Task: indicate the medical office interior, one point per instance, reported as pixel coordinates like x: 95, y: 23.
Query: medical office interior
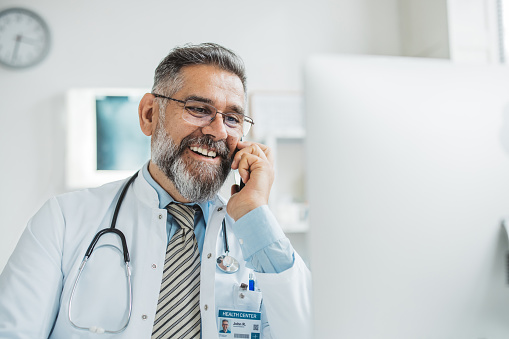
x: 103, y: 49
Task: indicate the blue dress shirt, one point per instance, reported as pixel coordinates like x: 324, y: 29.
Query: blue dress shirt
x: 265, y: 248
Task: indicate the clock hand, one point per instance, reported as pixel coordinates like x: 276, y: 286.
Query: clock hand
x: 28, y: 40
x: 16, y: 48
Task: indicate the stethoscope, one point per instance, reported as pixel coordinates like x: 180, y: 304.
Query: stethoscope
x: 225, y: 263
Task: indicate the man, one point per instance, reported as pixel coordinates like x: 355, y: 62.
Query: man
x: 174, y: 224
x: 225, y: 327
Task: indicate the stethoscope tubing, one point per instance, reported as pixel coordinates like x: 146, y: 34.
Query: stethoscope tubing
x: 125, y: 252
x: 226, y: 247
x: 101, y: 330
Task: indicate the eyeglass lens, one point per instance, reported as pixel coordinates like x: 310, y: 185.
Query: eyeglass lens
x: 201, y: 114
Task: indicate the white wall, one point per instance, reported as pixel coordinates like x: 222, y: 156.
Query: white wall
x: 118, y: 43
x: 474, y: 31
x: 424, y: 28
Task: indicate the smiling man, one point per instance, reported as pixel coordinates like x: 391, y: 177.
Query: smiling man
x: 225, y: 327
x: 192, y: 151
x: 191, y: 253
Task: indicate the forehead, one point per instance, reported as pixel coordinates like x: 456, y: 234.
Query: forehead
x: 219, y: 86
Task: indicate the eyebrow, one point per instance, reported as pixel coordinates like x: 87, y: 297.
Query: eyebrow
x: 230, y: 109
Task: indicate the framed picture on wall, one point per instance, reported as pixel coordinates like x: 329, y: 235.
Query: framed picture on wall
x: 104, y: 139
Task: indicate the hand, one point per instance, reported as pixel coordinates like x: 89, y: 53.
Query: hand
x: 256, y: 168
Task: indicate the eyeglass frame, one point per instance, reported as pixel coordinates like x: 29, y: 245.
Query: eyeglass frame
x: 247, y: 119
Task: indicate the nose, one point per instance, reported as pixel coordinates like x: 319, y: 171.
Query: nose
x: 216, y: 129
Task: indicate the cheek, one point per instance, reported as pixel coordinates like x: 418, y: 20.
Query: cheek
x: 181, y: 132
x: 232, y: 145
x: 177, y: 127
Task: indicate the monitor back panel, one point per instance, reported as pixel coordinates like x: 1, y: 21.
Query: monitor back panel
x: 408, y: 181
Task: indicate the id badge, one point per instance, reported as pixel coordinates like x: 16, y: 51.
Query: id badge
x: 239, y: 324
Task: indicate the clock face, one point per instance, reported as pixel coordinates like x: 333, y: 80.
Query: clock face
x: 24, y: 38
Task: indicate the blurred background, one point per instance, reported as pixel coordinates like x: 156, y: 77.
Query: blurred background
x: 117, y: 44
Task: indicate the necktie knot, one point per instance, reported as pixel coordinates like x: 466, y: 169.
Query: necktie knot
x: 183, y: 214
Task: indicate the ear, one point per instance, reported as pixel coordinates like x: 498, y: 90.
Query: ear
x: 148, y: 114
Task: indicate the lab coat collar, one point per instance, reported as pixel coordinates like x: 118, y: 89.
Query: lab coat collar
x: 145, y: 192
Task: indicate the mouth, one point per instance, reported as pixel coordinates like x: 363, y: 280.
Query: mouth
x: 204, y: 151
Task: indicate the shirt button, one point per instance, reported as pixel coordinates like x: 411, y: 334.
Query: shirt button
x: 205, y: 307
x: 241, y: 241
x: 154, y: 266
x: 144, y: 317
x: 219, y: 209
x: 209, y: 255
x: 160, y: 216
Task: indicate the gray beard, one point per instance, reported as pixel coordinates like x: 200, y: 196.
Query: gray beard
x: 195, y: 181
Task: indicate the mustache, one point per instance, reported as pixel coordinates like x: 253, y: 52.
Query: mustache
x: 204, y: 140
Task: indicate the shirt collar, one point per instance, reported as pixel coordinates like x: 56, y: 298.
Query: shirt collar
x: 164, y: 197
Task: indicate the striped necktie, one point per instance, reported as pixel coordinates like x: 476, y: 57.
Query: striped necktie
x: 178, y: 308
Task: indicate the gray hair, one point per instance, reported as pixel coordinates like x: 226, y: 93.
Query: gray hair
x: 168, y: 79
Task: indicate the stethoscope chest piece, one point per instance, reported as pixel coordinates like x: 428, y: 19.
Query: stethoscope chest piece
x: 227, y: 263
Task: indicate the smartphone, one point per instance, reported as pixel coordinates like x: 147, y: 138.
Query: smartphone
x: 241, y: 184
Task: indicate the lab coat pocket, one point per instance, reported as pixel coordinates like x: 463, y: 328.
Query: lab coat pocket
x: 246, y: 300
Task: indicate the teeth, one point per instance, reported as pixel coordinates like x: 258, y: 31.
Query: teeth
x: 203, y: 151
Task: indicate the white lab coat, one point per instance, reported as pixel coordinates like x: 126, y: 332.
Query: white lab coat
x: 36, y: 284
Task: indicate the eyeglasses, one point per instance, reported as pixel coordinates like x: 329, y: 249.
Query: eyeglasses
x: 201, y: 114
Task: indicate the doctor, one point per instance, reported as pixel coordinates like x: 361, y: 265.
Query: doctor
x: 190, y: 252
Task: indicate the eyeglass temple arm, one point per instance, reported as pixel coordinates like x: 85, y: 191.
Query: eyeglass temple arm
x: 162, y: 96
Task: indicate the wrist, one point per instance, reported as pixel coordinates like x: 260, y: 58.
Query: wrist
x: 238, y: 212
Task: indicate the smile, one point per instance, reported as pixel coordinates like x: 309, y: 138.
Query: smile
x: 203, y: 151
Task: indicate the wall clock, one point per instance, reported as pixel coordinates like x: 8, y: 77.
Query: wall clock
x: 24, y: 38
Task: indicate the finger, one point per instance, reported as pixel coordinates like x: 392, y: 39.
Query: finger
x: 252, y: 150
x: 244, y: 166
x: 250, y: 163
x: 256, y: 149
x: 267, y: 151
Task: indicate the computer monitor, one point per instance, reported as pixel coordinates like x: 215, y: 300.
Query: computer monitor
x: 408, y: 182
